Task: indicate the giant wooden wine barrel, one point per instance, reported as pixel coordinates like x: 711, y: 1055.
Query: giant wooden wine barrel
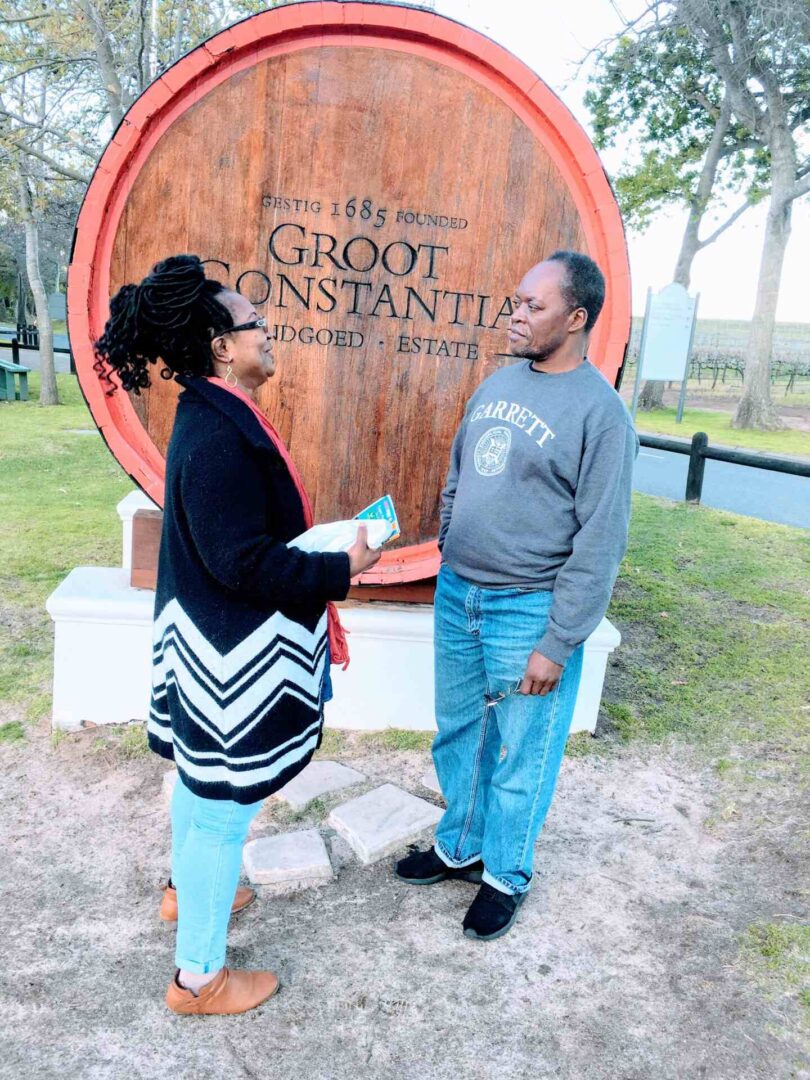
x: 376, y: 179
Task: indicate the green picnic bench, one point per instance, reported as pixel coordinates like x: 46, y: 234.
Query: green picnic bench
x: 10, y: 388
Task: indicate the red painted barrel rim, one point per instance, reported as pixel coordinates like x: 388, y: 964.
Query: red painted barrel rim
x: 288, y: 29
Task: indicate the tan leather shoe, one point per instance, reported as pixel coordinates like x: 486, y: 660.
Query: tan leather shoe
x: 228, y: 993
x: 168, y: 905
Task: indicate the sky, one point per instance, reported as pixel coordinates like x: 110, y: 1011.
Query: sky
x: 551, y: 39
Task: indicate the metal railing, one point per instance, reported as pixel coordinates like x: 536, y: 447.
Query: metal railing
x: 16, y: 345
x: 698, y: 451
x: 27, y: 334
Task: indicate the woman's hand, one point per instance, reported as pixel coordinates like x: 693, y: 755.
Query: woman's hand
x: 361, y: 556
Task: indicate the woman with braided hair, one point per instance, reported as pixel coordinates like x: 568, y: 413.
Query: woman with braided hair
x: 244, y: 625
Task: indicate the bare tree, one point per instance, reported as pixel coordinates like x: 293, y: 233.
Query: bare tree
x: 117, y: 100
x: 653, y: 84
x: 652, y: 394
x: 26, y: 213
x: 48, y: 393
x: 179, y: 30
x: 67, y: 76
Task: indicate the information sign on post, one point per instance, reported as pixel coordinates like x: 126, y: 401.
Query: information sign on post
x: 666, y: 340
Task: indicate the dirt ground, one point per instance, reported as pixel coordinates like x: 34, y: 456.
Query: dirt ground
x: 624, y: 963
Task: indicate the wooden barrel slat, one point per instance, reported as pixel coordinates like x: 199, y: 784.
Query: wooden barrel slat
x: 399, y: 114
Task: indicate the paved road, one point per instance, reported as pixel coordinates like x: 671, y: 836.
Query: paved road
x: 753, y: 492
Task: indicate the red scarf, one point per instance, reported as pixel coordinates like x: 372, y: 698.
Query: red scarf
x: 338, y: 646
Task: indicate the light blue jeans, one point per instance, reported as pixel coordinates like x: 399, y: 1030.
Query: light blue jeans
x: 497, y: 757
x: 207, y: 840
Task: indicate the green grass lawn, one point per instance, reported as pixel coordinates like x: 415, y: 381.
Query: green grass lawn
x: 717, y: 426
x: 714, y: 608
x: 715, y: 613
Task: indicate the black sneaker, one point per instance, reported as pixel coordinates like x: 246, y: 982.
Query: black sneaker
x: 426, y: 868
x: 491, y: 913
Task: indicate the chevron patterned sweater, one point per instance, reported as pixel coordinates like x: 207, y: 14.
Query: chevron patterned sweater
x: 240, y: 619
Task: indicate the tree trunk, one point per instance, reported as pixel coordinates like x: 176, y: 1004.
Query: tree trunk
x: 147, y: 54
x: 179, y: 30
x: 652, y: 393
x: 106, y: 63
x: 153, y: 41
x: 48, y: 392
x: 756, y: 409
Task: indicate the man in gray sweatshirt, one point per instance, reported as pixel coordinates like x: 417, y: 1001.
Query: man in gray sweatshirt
x: 533, y: 527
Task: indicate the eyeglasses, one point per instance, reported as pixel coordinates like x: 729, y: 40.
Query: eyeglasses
x: 255, y: 324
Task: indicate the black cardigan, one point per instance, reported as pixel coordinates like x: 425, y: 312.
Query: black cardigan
x: 240, y: 645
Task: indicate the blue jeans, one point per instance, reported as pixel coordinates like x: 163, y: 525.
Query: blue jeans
x: 497, y: 760
x: 207, y: 840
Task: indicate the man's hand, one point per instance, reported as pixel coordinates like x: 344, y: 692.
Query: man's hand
x: 542, y: 675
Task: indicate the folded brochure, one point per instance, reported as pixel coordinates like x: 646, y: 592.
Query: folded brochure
x: 382, y: 510
x: 380, y: 518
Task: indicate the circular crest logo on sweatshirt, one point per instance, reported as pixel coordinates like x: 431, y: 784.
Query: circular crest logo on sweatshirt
x: 492, y: 451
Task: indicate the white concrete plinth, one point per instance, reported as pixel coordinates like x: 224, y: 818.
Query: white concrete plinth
x: 598, y: 648
x: 127, y: 508
x: 102, y: 649
x: 389, y: 682
x: 102, y: 665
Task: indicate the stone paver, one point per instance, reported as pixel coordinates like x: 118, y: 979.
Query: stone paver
x: 318, y: 778
x: 288, y: 862
x: 383, y: 820
x: 431, y: 781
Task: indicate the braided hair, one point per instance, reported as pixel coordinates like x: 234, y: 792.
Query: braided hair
x: 171, y: 316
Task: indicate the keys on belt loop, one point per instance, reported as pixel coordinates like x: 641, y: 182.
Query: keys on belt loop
x: 495, y: 699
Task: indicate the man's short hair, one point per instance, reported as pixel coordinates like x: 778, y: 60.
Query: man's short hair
x: 584, y: 283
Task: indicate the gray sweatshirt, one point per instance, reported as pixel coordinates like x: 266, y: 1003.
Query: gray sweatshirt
x: 538, y: 493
